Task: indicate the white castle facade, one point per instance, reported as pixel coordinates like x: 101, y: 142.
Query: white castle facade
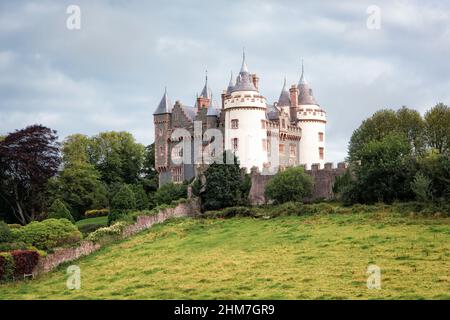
x: 288, y: 132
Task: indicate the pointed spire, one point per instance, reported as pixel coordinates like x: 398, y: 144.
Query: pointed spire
x: 206, y: 92
x: 212, y: 111
x: 165, y: 106
x: 302, y: 77
x: 244, y: 68
x: 231, y: 79
x: 285, y: 98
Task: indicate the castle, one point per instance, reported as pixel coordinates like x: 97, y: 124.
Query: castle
x: 289, y: 132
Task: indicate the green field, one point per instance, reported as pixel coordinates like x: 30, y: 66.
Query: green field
x: 308, y: 257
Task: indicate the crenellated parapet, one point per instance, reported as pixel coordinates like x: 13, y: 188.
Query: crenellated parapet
x: 323, y: 179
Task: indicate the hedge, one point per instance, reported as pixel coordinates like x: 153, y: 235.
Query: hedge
x: 96, y: 213
x: 48, y: 234
x: 113, y: 232
x: 17, y: 263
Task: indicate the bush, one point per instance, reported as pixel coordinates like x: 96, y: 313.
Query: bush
x: 113, y: 232
x: 58, y: 210
x: 292, y: 184
x: 231, y: 212
x: 6, y: 266
x: 24, y: 261
x: 10, y: 246
x: 96, y: 213
x: 48, y: 234
x: 91, y: 227
x: 124, y: 199
x: 5, y: 232
x: 421, y: 186
x: 169, y: 192
x: 14, y: 226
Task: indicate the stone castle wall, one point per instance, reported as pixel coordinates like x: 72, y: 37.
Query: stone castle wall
x: 323, y: 179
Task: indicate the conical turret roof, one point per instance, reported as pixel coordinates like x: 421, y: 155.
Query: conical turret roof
x: 284, y: 99
x: 165, y: 106
x: 305, y: 95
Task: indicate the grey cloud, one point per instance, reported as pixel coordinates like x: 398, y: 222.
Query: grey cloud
x: 111, y: 74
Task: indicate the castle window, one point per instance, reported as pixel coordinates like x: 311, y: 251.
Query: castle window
x: 292, y: 150
x: 235, y: 142
x: 161, y: 151
x: 234, y: 123
x: 320, y: 136
x: 283, y: 123
x: 160, y: 132
x: 177, y: 174
x: 281, y: 148
x: 321, y: 153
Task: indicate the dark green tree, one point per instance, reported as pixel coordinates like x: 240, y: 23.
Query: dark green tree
x: 169, y: 192
x: 223, y: 183
x: 142, y: 200
x: 437, y: 123
x: 58, y: 210
x: 123, y: 202
x: 292, y: 184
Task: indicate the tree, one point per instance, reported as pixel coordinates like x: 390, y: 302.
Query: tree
x: 412, y: 125
x: 80, y: 187
x: 421, y: 187
x: 384, y: 122
x: 117, y: 157
x: 292, y: 184
x: 385, y: 172
x: 150, y: 179
x: 124, y: 199
x: 437, y: 124
x: 169, y: 192
x: 28, y: 159
x: 223, y: 184
x: 436, y: 167
x: 142, y: 201
x: 123, y: 202
x: 75, y: 149
x: 58, y: 210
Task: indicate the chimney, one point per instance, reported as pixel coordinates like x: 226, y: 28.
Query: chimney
x: 293, y: 91
x: 224, y: 93
x: 255, y: 81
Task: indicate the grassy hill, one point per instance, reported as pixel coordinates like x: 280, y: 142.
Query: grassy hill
x: 316, y: 256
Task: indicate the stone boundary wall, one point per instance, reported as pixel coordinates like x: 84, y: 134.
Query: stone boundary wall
x: 61, y: 255
x: 323, y: 179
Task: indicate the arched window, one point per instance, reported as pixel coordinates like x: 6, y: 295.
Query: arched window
x: 235, y: 143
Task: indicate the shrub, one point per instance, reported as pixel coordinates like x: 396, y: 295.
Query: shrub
x: 14, y: 226
x: 421, y: 186
x: 58, y: 210
x: 169, y: 192
x: 10, y: 246
x: 96, y: 213
x: 142, y: 200
x: 108, y: 233
x: 24, y: 261
x: 230, y: 212
x: 91, y: 227
x: 5, y: 232
x: 6, y: 266
x: 292, y: 184
x: 49, y: 233
x: 124, y: 199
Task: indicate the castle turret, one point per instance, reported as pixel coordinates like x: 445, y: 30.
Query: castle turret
x: 204, y: 100
x: 245, y: 118
x: 162, y: 122
x: 312, y: 120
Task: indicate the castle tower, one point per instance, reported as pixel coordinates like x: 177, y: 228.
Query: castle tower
x: 162, y: 122
x: 312, y: 120
x: 204, y: 100
x: 245, y: 116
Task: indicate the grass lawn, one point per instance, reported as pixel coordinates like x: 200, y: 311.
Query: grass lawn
x: 96, y: 220
x: 308, y: 257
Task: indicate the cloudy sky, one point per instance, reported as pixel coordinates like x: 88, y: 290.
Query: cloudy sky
x: 111, y: 74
